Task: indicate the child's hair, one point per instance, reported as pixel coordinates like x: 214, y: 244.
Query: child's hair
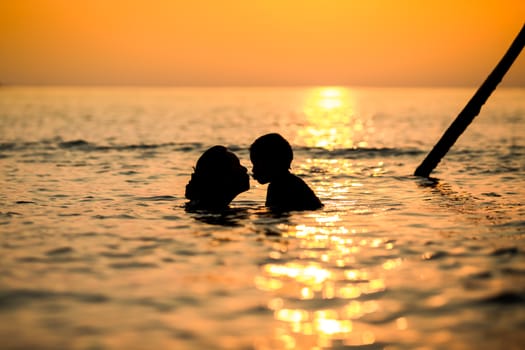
x: 211, y: 176
x: 272, y: 147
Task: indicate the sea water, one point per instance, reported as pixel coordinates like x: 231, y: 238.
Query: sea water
x: 98, y: 252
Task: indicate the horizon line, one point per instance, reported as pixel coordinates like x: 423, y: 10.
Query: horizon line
x: 351, y: 86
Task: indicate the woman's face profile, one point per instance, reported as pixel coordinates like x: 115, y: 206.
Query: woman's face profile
x: 239, y: 176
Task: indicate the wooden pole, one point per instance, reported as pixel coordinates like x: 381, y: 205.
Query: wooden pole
x: 472, y: 109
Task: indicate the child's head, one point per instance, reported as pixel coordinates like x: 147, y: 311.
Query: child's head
x: 217, y: 179
x: 271, y: 155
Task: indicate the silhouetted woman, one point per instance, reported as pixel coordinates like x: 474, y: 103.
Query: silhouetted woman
x: 217, y: 179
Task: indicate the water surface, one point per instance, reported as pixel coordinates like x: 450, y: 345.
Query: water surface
x: 97, y: 251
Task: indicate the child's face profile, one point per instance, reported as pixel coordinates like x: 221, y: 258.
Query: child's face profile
x: 271, y: 156
x: 262, y: 170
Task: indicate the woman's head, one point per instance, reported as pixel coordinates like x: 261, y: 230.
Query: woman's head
x: 217, y: 179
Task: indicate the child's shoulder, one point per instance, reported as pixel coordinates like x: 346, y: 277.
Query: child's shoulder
x: 292, y: 193
x: 289, y: 182
x: 295, y: 180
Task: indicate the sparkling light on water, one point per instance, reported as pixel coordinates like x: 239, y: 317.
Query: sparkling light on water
x: 323, y: 271
x: 332, y: 120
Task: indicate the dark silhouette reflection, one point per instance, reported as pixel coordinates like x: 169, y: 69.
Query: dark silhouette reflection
x: 271, y: 225
x: 217, y: 179
x: 428, y: 182
x: 438, y: 187
x: 230, y: 217
x: 272, y: 156
x: 445, y: 196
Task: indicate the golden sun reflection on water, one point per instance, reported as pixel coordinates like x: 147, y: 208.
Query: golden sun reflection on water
x: 317, y: 292
x: 318, y: 295
x: 332, y: 120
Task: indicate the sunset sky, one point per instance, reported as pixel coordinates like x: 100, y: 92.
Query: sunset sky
x: 257, y: 42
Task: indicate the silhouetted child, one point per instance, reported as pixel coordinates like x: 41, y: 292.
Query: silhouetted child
x: 271, y: 156
x: 218, y: 177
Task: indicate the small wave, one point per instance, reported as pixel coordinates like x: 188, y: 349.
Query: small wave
x: 87, y: 146
x: 132, y: 265
x: 505, y: 251
x: 157, y: 198
x: 7, y: 146
x: 515, y: 223
x: 60, y: 251
x: 90, y: 146
x: 9, y: 214
x: 437, y: 255
x: 122, y: 216
x: 113, y: 255
x: 505, y: 297
x: 12, y: 298
x: 73, y: 144
x: 513, y: 271
x: 358, y: 153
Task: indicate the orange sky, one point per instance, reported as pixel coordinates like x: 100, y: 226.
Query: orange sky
x: 257, y: 42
